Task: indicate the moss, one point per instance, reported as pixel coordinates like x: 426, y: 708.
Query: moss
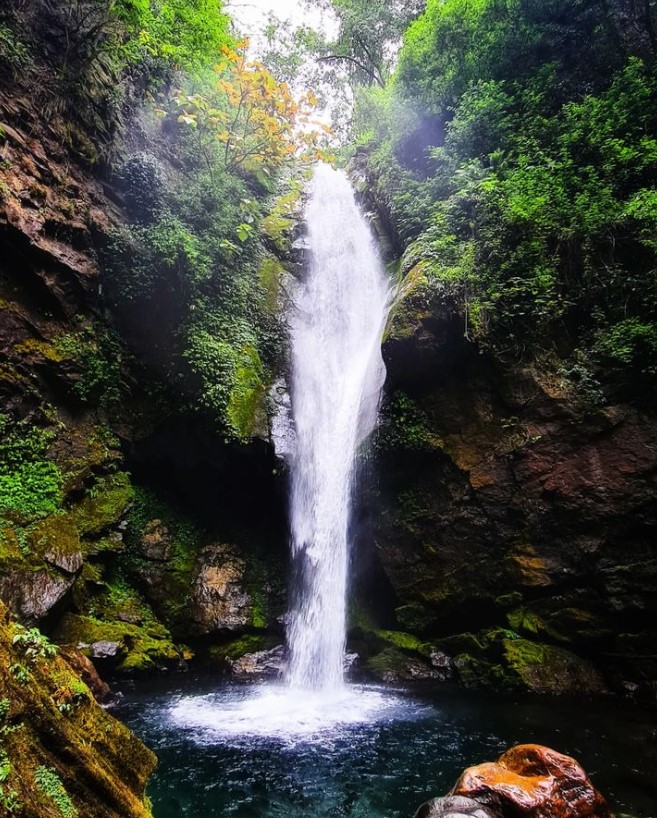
x: 545, y: 668
x: 33, y: 346
x: 390, y: 660
x: 522, y: 619
x: 105, y: 507
x: 185, y: 539
x: 507, y: 601
x: 63, y: 754
x: 247, y: 394
x: 140, y: 647
x: 475, y: 672
x: 405, y: 642
x: 240, y: 647
x: 415, y: 617
x: 56, y: 535
x: 269, y: 274
x: 462, y: 643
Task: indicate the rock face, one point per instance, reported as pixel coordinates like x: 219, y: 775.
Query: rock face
x: 516, y: 517
x: 454, y: 806
x: 61, y: 752
x: 530, y: 781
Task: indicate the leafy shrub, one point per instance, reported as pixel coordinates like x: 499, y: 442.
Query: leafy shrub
x: 51, y: 786
x: 30, y: 484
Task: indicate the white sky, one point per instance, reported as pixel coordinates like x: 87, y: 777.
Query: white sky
x: 251, y: 15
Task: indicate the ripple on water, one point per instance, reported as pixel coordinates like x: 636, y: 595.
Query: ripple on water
x: 260, y: 751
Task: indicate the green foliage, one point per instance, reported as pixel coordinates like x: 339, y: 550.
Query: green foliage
x: 20, y: 673
x: 51, y: 786
x: 97, y: 353
x: 184, y: 280
x: 515, y: 152
x: 33, y: 644
x: 408, y: 426
x: 30, y: 484
x: 186, y: 34
x: 9, y: 798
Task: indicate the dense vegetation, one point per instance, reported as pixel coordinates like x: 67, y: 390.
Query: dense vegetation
x: 162, y: 100
x: 514, y: 149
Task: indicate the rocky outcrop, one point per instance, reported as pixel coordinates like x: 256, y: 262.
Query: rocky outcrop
x: 530, y: 781
x: 60, y: 752
x: 516, y: 512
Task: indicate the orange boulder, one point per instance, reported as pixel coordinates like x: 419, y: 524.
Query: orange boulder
x: 530, y: 781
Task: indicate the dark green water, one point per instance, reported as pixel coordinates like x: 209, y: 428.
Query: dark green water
x: 235, y: 750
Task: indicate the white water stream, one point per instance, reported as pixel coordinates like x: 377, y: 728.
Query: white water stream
x: 337, y: 375
x: 336, y: 325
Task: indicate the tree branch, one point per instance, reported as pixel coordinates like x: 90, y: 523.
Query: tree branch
x: 338, y: 57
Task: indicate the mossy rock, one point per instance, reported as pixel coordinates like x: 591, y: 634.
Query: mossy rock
x: 270, y: 273
x: 106, y: 507
x: 404, y: 641
x: 468, y: 643
x: 139, y: 647
x: 61, y: 753
x: 278, y: 226
x: 230, y: 651
x: 544, y: 668
x: 415, y: 617
x: 56, y: 540
x: 476, y: 672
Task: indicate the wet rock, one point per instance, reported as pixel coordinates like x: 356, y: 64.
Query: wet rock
x: 548, y: 669
x: 219, y: 601
x: 262, y: 663
x: 32, y: 595
x: 443, y: 664
x: 531, y: 781
x: 454, y: 806
x: 393, y: 666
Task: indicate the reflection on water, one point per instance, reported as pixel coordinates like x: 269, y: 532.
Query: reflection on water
x: 254, y: 751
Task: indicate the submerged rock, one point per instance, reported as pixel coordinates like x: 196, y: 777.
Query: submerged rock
x: 531, y: 781
x: 454, y: 806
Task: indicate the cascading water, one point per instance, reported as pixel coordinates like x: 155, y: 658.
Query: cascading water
x: 336, y: 323
x: 337, y: 375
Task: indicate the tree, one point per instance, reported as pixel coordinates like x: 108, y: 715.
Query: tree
x: 369, y: 34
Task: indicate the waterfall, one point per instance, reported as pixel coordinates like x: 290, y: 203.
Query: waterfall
x: 337, y: 375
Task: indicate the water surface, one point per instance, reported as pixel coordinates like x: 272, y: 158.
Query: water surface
x: 249, y: 751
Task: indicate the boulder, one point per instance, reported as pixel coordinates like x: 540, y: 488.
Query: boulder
x: 531, y: 781
x: 219, y: 601
x: 32, y: 595
x: 454, y: 806
x: 261, y: 663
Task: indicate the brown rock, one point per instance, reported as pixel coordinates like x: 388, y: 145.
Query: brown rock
x: 84, y: 667
x: 531, y: 781
x: 155, y: 543
x: 219, y: 601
